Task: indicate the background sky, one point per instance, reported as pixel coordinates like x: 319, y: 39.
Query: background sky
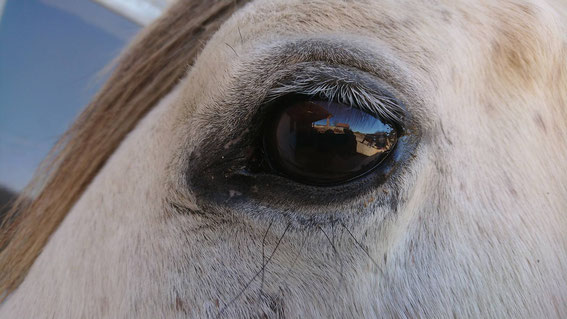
x: 51, y: 55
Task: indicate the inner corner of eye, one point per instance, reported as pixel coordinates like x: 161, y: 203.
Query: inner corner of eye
x: 323, y: 142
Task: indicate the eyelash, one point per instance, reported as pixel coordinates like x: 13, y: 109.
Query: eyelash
x: 332, y: 87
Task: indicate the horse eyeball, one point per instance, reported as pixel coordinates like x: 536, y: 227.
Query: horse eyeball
x: 325, y: 143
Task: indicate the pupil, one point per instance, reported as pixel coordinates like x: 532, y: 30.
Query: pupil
x: 321, y: 142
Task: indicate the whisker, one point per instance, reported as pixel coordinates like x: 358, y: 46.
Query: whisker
x: 361, y: 247
x: 255, y: 275
x: 299, y: 252
x: 336, y: 252
x: 233, y: 50
x: 240, y: 33
x: 294, y: 261
x: 264, y: 256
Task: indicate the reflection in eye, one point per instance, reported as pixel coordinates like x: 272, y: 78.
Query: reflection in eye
x: 324, y: 143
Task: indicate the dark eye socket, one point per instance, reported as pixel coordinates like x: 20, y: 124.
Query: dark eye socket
x: 325, y: 143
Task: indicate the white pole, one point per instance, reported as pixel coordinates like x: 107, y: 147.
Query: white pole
x: 2, y: 5
x: 141, y: 12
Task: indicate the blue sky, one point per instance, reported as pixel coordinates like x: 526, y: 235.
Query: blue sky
x: 358, y: 120
x: 51, y: 55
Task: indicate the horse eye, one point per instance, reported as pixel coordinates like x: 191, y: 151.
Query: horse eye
x: 325, y: 143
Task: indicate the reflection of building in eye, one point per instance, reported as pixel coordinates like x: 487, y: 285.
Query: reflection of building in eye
x: 380, y: 140
x: 339, y: 128
x: 370, y: 144
x: 324, y: 125
x: 367, y: 144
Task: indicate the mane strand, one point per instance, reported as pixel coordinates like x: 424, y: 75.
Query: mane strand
x: 144, y: 73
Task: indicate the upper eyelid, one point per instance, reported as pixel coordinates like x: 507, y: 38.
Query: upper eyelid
x: 342, y: 84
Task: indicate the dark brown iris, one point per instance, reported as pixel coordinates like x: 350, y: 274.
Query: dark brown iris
x: 325, y: 143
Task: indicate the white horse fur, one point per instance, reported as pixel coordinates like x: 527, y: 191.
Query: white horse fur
x: 473, y: 226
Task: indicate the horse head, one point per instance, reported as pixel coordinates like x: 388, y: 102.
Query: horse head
x: 325, y: 159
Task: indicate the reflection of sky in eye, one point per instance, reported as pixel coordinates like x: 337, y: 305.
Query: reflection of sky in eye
x: 359, y: 121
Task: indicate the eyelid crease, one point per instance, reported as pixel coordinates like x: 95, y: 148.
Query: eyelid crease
x: 350, y: 88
